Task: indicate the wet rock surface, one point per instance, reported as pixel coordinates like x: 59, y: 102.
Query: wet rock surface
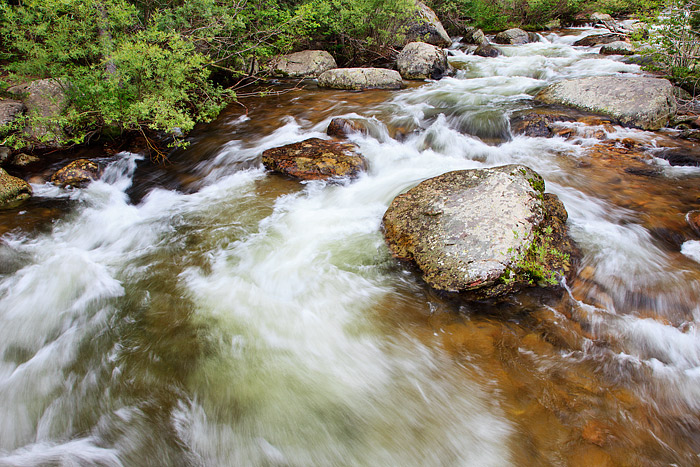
x: 617, y: 48
x: 315, y: 159
x: 342, y: 127
x: 13, y: 190
x: 487, y: 50
x: 419, y: 60
x: 76, y: 174
x: 642, y: 102
x: 304, y: 64
x: 473, y: 231
x: 474, y: 36
x: 600, y: 39
x: 359, y: 79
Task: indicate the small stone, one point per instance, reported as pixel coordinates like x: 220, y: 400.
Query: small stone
x: 342, y: 127
x: 693, y: 219
x: 23, y: 160
x: 76, y: 174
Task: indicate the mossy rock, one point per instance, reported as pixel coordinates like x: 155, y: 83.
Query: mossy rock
x: 76, y: 174
x: 13, y: 190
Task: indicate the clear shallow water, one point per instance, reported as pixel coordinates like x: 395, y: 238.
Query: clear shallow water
x: 246, y: 319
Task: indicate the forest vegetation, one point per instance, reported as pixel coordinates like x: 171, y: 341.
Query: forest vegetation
x: 164, y: 65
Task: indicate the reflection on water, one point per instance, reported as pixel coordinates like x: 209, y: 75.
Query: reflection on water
x: 208, y: 313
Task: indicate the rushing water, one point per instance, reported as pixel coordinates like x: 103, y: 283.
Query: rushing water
x: 209, y: 313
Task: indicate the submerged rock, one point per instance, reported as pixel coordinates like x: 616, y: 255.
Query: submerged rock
x: 359, y: 79
x: 315, y: 159
x: 537, y: 123
x: 13, y: 190
x: 638, y: 101
x: 513, y: 36
x: 76, y: 174
x: 304, y: 64
x: 481, y: 232
x: 419, y: 60
x: 693, y: 219
x: 426, y: 27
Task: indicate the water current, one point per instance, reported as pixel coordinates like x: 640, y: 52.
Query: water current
x: 206, y: 312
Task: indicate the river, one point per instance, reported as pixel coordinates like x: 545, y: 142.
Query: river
x: 206, y: 312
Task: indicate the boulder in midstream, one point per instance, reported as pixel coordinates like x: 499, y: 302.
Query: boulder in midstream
x: 315, y: 159
x: 419, y: 60
x: 359, y: 79
x: 78, y: 173
x: 638, y: 101
x: 481, y: 232
x: 514, y: 36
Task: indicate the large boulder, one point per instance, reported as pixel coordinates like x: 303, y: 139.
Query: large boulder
x: 359, y: 79
x: 600, y: 39
x: 481, y: 232
x: 10, y: 109
x: 45, y: 100
x: 78, y: 173
x: 419, y: 60
x: 617, y: 48
x: 315, y: 159
x: 304, y: 64
x: 13, y: 190
x: 426, y: 27
x: 513, y: 36
x: 637, y: 101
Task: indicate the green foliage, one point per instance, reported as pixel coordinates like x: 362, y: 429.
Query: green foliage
x: 358, y: 31
x: 535, y: 265
x: 677, y: 41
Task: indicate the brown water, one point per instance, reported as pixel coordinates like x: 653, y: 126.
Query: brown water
x: 207, y: 313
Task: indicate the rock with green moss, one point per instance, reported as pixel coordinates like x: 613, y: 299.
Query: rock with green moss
x: 13, y: 190
x: 481, y: 232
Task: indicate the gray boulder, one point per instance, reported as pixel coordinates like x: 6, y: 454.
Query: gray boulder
x: 474, y: 36
x: 419, y: 60
x: 617, y: 48
x: 13, y: 190
x: 637, y: 101
x: 304, y: 64
x: 600, y: 39
x: 359, y: 79
x: 45, y: 99
x: 600, y: 18
x: 426, y: 27
x: 481, y: 232
x: 513, y: 36
x: 9, y: 110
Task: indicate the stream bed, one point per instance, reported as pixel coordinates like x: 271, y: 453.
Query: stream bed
x: 207, y: 313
